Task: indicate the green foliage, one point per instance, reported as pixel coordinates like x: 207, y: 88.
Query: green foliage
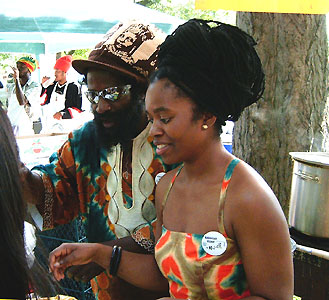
x: 9, y: 59
x: 183, y: 10
x: 4, y: 56
x: 79, y: 53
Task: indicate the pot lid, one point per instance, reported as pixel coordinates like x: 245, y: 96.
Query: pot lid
x: 315, y: 158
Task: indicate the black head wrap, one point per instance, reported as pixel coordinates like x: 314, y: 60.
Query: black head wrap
x: 215, y: 64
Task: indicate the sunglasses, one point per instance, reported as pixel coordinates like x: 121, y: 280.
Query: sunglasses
x: 111, y: 93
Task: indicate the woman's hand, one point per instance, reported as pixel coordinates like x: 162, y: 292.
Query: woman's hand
x: 68, y: 255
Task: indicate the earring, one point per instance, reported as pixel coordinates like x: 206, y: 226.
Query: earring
x: 204, y: 126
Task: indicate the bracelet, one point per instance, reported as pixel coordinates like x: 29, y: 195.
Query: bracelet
x: 114, y: 250
x: 115, y: 260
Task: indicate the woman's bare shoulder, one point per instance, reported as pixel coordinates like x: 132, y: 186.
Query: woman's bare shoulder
x: 165, y: 180
x: 250, y: 198
x: 248, y: 185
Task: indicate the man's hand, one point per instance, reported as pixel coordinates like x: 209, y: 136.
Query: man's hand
x: 84, y: 273
x: 15, y: 73
x: 44, y: 79
x: 57, y: 116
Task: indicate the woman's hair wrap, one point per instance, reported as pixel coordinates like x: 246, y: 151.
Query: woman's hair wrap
x: 217, y: 66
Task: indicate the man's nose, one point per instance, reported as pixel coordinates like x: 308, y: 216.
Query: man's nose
x: 103, y: 105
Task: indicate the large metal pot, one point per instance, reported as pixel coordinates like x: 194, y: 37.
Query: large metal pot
x: 309, y: 199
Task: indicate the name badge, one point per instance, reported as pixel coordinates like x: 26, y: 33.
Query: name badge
x: 214, y: 243
x: 159, y: 176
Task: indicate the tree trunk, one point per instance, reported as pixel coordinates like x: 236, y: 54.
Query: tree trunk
x: 291, y: 117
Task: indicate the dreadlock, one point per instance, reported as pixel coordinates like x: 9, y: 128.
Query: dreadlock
x: 215, y: 64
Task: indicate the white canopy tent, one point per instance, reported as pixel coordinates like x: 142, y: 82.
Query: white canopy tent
x: 44, y: 29
x: 39, y: 28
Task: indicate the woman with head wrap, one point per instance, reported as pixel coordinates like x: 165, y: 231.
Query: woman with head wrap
x: 221, y: 233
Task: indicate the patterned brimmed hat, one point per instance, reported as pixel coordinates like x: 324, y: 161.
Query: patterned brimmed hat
x: 129, y: 49
x: 30, y: 62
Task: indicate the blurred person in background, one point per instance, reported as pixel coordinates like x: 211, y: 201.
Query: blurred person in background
x: 23, y: 97
x: 3, y: 98
x: 63, y: 99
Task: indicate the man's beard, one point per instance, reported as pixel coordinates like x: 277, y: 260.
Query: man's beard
x: 126, y: 126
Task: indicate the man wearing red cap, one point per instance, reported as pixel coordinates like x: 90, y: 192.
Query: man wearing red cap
x: 23, y: 97
x: 63, y: 100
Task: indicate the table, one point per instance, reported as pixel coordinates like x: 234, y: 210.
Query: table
x: 36, y: 149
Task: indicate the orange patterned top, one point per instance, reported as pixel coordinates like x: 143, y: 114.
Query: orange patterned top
x: 192, y: 272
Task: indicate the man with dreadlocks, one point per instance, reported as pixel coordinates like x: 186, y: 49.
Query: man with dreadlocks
x: 221, y: 233
x: 106, y: 170
x: 24, y: 97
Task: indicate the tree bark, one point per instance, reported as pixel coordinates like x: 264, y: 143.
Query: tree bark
x: 291, y: 117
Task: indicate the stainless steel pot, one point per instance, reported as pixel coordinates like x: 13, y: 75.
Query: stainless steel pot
x: 309, y: 198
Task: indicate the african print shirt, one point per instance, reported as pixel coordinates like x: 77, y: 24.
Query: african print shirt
x: 192, y: 272
x: 85, y: 180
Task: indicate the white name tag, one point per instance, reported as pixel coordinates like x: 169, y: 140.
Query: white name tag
x: 214, y: 243
x: 159, y: 176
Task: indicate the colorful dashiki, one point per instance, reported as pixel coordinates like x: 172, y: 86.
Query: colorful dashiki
x: 85, y: 180
x: 194, y: 274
